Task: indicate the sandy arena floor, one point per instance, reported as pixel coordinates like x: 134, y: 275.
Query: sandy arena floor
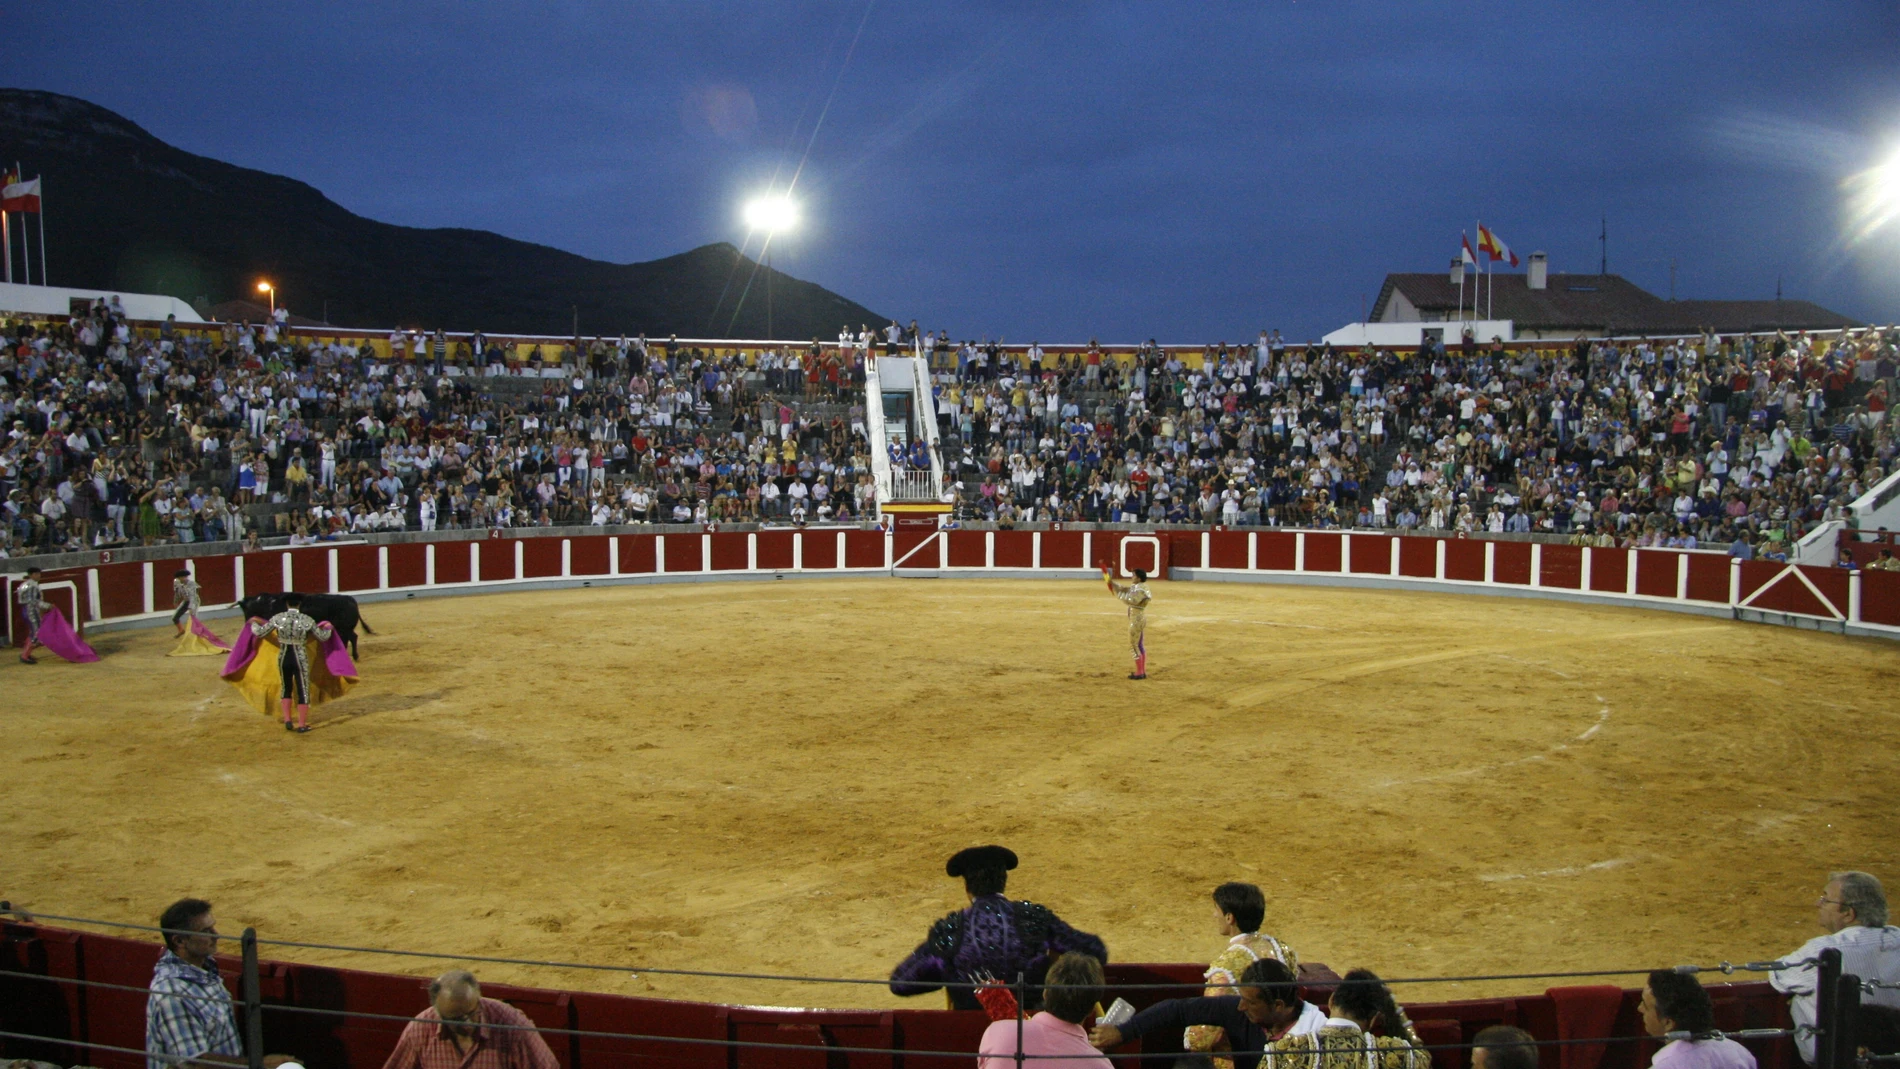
x: 768, y: 777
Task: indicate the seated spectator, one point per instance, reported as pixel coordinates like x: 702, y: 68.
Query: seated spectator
x: 1674, y: 1004
x: 1503, y: 1046
x: 1053, y: 1036
x: 1267, y: 1010
x: 1363, y: 1002
x: 459, y: 1030
x: 1239, y: 909
x: 1853, y: 913
x: 189, y: 1020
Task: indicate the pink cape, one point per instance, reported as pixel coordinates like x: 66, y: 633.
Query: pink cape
x: 336, y: 656
x: 58, y: 636
x: 208, y: 635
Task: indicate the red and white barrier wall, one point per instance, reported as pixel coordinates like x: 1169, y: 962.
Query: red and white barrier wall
x: 112, y: 594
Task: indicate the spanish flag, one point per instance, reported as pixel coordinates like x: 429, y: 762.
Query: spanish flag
x: 1497, y: 250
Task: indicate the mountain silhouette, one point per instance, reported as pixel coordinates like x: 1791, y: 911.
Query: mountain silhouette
x: 126, y: 211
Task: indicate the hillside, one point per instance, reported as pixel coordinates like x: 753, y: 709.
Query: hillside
x: 127, y: 211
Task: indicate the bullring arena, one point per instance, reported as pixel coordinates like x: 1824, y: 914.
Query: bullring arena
x: 765, y: 776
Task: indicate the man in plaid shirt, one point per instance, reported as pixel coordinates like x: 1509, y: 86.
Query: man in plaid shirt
x: 463, y: 1030
x: 188, y: 1016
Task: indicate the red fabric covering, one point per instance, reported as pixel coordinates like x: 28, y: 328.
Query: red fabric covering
x: 999, y: 1002
x: 59, y: 637
x: 1585, y: 1013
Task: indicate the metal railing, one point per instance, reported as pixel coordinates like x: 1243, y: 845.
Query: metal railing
x: 1838, y: 999
x: 913, y: 484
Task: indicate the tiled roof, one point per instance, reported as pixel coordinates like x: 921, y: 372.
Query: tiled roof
x: 1602, y: 302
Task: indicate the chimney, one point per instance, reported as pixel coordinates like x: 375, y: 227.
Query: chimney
x: 1457, y: 271
x: 1538, y: 278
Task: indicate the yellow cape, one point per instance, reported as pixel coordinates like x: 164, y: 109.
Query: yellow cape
x: 191, y: 645
x: 262, y: 687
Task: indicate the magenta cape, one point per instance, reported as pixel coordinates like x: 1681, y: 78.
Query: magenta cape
x: 252, y: 669
x: 336, y: 656
x: 208, y: 635
x: 199, y: 641
x: 58, y: 636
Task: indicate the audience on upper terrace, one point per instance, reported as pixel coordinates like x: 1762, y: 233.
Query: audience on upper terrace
x: 122, y: 436
x: 1686, y: 442
x: 1740, y: 442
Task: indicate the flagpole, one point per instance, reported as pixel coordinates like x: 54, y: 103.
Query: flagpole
x: 41, y: 179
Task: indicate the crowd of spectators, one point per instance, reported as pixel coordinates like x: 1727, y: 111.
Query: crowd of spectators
x: 119, y: 435
x: 1740, y: 440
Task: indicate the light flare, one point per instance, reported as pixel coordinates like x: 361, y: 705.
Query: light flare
x: 1873, y: 198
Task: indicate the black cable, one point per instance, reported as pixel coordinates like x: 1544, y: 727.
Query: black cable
x: 1724, y: 967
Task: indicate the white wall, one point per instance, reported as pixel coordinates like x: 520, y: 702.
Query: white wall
x: 57, y: 300
x: 1412, y: 334
x: 1879, y: 507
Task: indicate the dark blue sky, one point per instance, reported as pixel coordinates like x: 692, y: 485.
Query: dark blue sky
x: 1056, y: 170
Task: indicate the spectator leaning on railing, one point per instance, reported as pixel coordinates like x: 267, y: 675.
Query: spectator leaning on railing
x: 463, y: 1030
x: 1852, y: 911
x: 188, y: 1015
x: 1267, y: 1009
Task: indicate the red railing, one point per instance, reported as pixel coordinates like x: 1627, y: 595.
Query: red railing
x: 1684, y: 580
x: 82, y: 990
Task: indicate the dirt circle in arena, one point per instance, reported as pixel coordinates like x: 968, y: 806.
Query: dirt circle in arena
x: 768, y: 776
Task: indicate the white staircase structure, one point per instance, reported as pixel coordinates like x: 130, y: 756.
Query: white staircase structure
x: 1877, y: 509
x: 900, y: 410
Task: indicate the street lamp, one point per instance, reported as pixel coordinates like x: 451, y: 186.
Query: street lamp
x: 772, y: 213
x: 265, y: 287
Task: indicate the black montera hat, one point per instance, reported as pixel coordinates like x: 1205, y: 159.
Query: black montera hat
x: 980, y: 859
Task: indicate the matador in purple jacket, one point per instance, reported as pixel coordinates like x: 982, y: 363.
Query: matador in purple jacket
x: 994, y: 937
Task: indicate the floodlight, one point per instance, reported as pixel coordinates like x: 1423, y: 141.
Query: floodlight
x: 773, y: 213
x: 1873, y: 198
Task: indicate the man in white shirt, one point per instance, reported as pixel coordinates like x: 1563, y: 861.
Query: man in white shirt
x: 1853, y: 912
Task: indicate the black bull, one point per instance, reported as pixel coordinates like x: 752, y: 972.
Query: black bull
x: 337, y: 610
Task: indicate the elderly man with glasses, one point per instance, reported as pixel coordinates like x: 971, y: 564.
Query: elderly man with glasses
x: 1853, y: 912
x: 463, y: 1030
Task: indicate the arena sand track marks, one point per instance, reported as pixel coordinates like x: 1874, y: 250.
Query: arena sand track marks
x: 767, y: 777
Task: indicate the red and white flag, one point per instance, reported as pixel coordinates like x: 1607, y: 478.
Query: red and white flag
x: 1496, y: 249
x: 1464, y: 239
x: 20, y: 196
